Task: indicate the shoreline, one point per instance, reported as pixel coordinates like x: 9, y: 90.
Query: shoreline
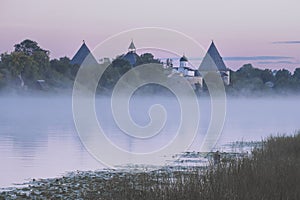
x: 181, y: 163
x: 243, y: 178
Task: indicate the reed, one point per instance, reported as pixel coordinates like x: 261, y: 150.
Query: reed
x: 271, y: 172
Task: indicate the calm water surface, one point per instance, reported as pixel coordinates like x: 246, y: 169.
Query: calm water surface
x: 38, y: 138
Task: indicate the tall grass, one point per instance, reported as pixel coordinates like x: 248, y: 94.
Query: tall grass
x: 271, y: 172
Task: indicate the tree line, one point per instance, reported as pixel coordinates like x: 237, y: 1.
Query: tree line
x: 250, y: 80
x: 29, y: 67
x: 29, y: 63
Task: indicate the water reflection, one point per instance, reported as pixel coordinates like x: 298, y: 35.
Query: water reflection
x: 38, y: 137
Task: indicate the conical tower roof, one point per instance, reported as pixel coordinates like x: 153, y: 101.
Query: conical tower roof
x: 81, y: 54
x: 212, y: 60
x: 131, y: 46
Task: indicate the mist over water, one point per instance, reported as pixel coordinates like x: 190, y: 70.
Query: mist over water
x: 38, y: 138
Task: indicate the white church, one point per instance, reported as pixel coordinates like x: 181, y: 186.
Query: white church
x: 212, y: 61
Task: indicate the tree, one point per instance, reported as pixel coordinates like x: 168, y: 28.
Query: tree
x: 147, y: 58
x: 29, y: 47
x: 283, y: 74
x: 27, y: 63
x: 40, y: 56
x: 119, y: 62
x: 249, y: 79
x: 119, y: 67
x: 62, y: 65
x: 246, y: 71
x: 266, y: 75
x: 283, y: 79
x: 2, y: 78
x: 20, y: 66
x: 296, y: 78
x: 296, y: 74
x: 114, y: 72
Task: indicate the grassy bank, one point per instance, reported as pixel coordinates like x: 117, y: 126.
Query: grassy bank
x: 271, y: 172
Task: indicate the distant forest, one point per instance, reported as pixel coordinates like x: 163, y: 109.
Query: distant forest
x: 29, y: 68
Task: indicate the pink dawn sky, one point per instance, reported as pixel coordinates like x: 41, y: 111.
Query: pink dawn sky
x: 265, y: 33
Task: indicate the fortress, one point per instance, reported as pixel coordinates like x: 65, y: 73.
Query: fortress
x: 212, y: 62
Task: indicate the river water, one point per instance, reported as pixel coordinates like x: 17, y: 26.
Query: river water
x: 38, y: 138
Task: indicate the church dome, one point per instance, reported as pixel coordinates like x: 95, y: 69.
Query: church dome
x: 131, y: 57
x: 183, y: 59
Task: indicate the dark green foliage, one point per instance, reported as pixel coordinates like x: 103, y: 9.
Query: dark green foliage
x: 296, y: 78
x: 248, y: 72
x: 120, y: 62
x: 283, y: 74
x: 266, y: 75
x: 113, y: 73
x: 283, y: 80
x: 29, y: 63
x: 250, y: 80
x: 147, y: 58
x: 119, y: 67
x: 296, y: 74
x: 2, y: 78
x: 29, y: 47
x: 62, y: 66
x: 18, y: 63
